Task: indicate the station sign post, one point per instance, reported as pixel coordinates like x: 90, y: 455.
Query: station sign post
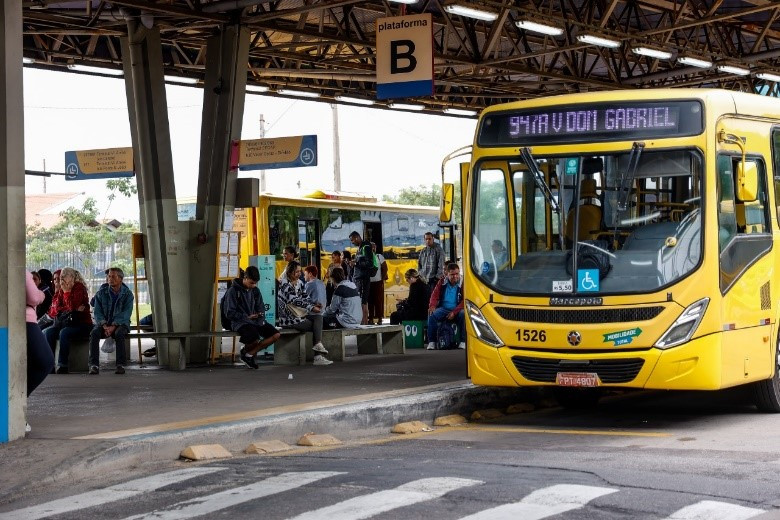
x: 404, y: 56
x: 107, y: 163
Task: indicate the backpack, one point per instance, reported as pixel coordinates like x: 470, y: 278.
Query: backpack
x: 226, y: 323
x: 446, y: 336
x: 368, y: 262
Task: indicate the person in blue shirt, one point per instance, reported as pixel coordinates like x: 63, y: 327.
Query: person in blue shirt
x: 447, y: 304
x: 113, y: 307
x: 314, y: 287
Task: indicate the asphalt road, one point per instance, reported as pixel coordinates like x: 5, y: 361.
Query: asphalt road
x: 640, y: 456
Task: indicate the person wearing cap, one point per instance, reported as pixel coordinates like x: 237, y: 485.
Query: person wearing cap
x: 113, y: 307
x: 360, y: 275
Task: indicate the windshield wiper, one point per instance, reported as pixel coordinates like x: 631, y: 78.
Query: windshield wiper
x: 625, y: 183
x: 541, y: 183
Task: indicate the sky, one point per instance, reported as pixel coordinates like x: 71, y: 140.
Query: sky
x: 381, y: 151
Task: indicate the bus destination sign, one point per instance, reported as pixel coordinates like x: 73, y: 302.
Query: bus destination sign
x: 592, y: 122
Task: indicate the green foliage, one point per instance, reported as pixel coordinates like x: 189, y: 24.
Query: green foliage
x: 124, y: 185
x: 427, y: 196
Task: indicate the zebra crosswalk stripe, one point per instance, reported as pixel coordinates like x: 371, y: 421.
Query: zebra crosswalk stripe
x: 712, y: 510
x: 234, y: 496
x: 544, y: 502
x: 382, y: 501
x: 106, y: 495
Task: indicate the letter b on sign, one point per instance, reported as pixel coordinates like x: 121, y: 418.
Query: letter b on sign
x: 402, y: 58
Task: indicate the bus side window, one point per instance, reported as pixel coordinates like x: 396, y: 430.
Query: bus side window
x: 727, y: 221
x: 776, y: 168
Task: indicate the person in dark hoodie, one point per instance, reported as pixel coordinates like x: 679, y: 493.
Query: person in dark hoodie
x: 244, y: 307
x: 345, y: 310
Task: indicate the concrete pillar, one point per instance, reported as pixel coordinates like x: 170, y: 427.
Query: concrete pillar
x: 166, y: 240
x: 224, y: 90
x: 13, y: 335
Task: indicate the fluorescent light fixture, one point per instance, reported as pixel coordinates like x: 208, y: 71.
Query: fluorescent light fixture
x: 731, y: 69
x: 598, y: 40
x: 403, y: 1
x: 460, y: 112
x: 471, y: 12
x: 256, y: 88
x: 180, y: 79
x: 95, y: 70
x: 404, y: 106
x: 652, y: 53
x: 299, y: 93
x: 540, y: 28
x: 694, y: 62
x: 768, y: 76
x: 27, y: 61
x: 354, y: 101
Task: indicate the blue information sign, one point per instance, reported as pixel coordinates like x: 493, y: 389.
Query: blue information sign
x: 588, y: 280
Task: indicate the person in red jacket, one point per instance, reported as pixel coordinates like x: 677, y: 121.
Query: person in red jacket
x: 446, y: 304
x: 70, y: 309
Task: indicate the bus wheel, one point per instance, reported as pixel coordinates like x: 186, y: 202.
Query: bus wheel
x: 577, y: 398
x: 766, y: 393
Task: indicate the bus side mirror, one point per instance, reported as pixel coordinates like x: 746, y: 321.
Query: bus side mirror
x: 447, y: 197
x: 747, y: 181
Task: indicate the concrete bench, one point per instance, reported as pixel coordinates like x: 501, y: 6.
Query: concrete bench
x: 78, y: 357
x: 371, y: 339
x: 293, y: 347
x: 183, y: 337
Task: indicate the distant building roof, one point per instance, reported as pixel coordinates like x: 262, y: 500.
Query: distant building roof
x: 44, y: 210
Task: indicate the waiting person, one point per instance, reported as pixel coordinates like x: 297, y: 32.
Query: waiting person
x: 46, y: 286
x: 500, y: 256
x: 446, y: 303
x: 113, y: 305
x: 291, y: 294
x: 345, y: 310
x: 47, y: 319
x: 430, y: 263
x: 72, y: 318
x: 314, y: 287
x: 40, y: 359
x: 346, y: 264
x: 360, y: 273
x: 335, y: 261
x: 243, y: 305
x: 415, y: 307
x: 376, y: 299
x: 288, y: 255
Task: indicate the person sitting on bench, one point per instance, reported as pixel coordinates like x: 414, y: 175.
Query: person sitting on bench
x: 244, y: 307
x: 345, y: 310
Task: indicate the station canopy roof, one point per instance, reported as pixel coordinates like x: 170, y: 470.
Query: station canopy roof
x: 327, y: 47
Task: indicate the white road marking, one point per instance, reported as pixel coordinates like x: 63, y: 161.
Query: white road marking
x: 234, y: 496
x: 106, y: 495
x: 382, y: 501
x: 712, y: 510
x: 545, y: 502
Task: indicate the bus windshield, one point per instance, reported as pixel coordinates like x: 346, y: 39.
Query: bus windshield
x: 625, y: 222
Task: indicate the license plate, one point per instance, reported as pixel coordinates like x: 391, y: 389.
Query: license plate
x: 581, y: 379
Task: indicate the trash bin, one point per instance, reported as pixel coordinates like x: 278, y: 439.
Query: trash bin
x: 413, y: 333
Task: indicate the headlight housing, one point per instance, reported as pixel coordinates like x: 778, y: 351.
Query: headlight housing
x: 481, y: 326
x: 683, y: 327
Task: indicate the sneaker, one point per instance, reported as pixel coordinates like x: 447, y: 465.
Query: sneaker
x: 319, y: 347
x: 247, y: 359
x: 462, y: 345
x: 93, y: 370
x: 119, y: 369
x: 320, y: 360
x: 62, y: 370
x: 431, y: 346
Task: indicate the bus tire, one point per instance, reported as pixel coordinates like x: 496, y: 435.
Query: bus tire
x: 577, y: 398
x: 766, y: 393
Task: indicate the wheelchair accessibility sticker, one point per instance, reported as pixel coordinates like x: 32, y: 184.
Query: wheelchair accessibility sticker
x: 588, y: 280
x: 624, y: 337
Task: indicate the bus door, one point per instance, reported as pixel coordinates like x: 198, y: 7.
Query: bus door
x: 309, y: 242
x: 446, y: 237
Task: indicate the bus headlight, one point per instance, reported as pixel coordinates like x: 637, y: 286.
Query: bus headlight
x: 683, y: 327
x: 481, y: 326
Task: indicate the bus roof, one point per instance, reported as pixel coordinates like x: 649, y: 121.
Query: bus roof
x: 275, y: 200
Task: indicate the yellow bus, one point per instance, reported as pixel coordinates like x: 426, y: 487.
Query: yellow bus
x: 321, y: 222
x: 625, y: 240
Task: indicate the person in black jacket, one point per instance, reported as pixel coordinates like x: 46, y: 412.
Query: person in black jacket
x: 245, y: 309
x: 46, y: 285
x: 415, y: 307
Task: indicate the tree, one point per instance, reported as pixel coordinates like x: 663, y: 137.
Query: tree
x: 427, y: 196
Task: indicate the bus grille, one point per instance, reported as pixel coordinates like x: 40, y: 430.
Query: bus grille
x: 609, y: 371
x: 579, y: 315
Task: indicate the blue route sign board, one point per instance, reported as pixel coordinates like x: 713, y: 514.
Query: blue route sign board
x: 107, y: 163
x: 278, y: 152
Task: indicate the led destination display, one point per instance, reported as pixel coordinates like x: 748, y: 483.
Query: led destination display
x: 593, y: 122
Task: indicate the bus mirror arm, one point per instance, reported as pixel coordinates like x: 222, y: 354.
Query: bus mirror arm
x: 626, y: 182
x: 541, y: 183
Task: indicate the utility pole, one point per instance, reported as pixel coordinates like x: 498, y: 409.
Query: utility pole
x: 262, y: 172
x: 44, y: 177
x: 336, y: 155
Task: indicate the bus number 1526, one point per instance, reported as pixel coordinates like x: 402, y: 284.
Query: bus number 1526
x: 531, y: 335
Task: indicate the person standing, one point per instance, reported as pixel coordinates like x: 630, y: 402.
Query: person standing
x: 361, y: 274
x: 113, y: 305
x: 430, y: 263
x: 376, y: 291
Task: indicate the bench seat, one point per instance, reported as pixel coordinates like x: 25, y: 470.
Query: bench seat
x: 371, y: 339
